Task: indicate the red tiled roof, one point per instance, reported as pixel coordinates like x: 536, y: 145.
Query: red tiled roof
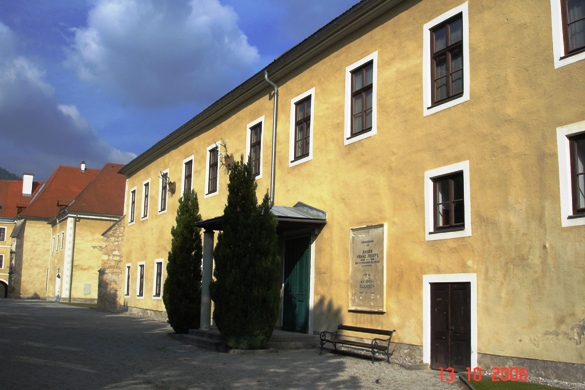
x: 104, y: 195
x: 65, y: 183
x: 11, y: 197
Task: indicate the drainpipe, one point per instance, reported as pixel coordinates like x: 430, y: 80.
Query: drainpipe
x: 273, y: 162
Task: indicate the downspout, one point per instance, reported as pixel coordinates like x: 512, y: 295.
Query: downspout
x: 273, y: 161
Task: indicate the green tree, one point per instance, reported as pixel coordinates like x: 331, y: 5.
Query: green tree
x: 182, y: 288
x: 246, y: 290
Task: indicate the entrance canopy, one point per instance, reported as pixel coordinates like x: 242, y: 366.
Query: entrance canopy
x: 300, y: 216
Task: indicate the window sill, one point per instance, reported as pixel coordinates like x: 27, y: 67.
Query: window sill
x: 437, y: 104
x: 448, y: 230
x: 300, y: 158
x: 359, y: 134
x: 576, y: 216
x: 579, y: 51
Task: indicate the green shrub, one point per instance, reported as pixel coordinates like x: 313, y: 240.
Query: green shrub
x: 182, y: 288
x: 246, y: 290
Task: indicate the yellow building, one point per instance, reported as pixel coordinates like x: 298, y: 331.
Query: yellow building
x: 76, y: 237
x: 437, y: 150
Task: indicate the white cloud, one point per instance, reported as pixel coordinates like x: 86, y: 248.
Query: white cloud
x: 38, y: 133
x: 152, y: 53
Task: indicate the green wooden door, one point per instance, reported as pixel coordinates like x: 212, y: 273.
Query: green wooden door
x: 297, y: 269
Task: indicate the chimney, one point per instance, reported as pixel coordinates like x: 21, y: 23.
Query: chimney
x: 83, y: 166
x: 27, y: 184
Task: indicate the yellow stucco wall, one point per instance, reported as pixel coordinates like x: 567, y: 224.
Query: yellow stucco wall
x: 32, y: 270
x: 529, y: 269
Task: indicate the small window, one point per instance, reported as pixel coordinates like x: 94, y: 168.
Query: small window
x: 571, y: 155
x: 446, y: 60
x: 212, y: 170
x: 132, y: 206
x: 256, y: 148
x: 163, y: 184
x: 447, y: 202
x: 140, y: 281
x: 158, y: 269
x: 146, y: 189
x: 128, y: 277
x: 301, y: 128
x: 577, y: 150
x: 62, y: 240
x: 1, y: 261
x: 573, y: 14
x: 188, y: 176
x: 2, y: 234
x: 360, y: 104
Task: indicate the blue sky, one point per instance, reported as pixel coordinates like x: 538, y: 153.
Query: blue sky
x: 103, y: 80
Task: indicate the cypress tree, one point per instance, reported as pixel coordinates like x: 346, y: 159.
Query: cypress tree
x: 246, y: 290
x: 182, y: 288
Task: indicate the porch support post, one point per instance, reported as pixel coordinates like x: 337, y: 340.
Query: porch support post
x: 205, y: 321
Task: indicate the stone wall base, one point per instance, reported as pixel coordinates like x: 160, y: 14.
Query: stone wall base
x: 152, y: 314
x: 569, y: 372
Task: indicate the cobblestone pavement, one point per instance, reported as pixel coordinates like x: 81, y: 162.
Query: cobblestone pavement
x: 46, y: 345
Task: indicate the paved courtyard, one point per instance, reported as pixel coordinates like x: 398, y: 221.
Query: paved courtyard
x: 46, y: 345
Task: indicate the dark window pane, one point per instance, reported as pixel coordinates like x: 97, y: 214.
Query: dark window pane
x: 357, y: 81
x: 440, y: 39
x: 458, y: 187
x: 459, y: 213
x: 357, y: 123
x: 456, y: 28
x: 369, y: 75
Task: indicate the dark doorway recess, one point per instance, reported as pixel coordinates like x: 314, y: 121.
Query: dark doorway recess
x: 297, y: 271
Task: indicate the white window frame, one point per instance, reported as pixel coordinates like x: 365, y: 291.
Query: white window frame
x: 127, y: 279
x: 427, y: 61
x: 192, y: 159
x: 209, y: 148
x: 130, y: 211
x: 5, y: 232
x: 143, y: 264
x: 62, y: 239
x: 559, y: 39
x: 142, y: 216
x: 1, y: 261
x: 430, y: 233
x: 248, y: 141
x: 293, y: 110
x: 162, y: 279
x: 347, y: 138
x: 565, y: 179
x: 160, y: 192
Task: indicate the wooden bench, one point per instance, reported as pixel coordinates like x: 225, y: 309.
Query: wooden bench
x: 375, y: 345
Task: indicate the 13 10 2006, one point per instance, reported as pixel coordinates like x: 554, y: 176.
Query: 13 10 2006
x: 499, y: 374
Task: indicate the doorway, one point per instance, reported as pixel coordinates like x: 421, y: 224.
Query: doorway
x: 296, y: 294
x: 450, y: 325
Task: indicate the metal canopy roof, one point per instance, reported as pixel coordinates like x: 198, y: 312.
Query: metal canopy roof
x: 289, y: 218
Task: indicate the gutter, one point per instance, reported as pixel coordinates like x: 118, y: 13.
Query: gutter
x: 274, y: 116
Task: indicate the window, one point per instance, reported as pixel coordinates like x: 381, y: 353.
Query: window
x: 447, y: 202
x: 1, y: 261
x: 360, y: 104
x: 146, y: 189
x: 188, y: 175
x: 301, y: 124
x: 571, y: 154
x: 62, y: 239
x: 132, y: 206
x: 577, y: 150
x: 446, y: 60
x: 127, y: 287
x: 163, y: 185
x: 568, y: 31
x: 2, y: 234
x: 140, y: 281
x: 158, y: 269
x: 254, y: 146
x: 212, y: 170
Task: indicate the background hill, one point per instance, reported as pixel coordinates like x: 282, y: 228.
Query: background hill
x: 5, y: 175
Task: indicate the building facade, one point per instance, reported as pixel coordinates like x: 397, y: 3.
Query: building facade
x: 443, y: 142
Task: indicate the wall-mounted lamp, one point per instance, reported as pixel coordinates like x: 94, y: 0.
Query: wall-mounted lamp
x: 171, y: 185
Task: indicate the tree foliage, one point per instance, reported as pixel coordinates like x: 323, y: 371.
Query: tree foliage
x: 182, y: 288
x: 246, y: 290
